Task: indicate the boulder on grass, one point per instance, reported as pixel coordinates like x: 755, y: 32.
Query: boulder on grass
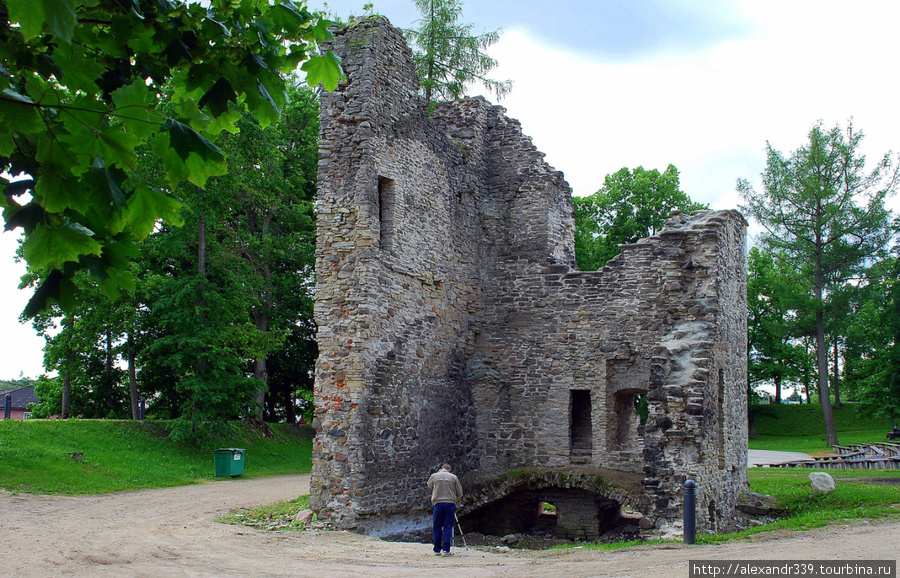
x: 821, y: 482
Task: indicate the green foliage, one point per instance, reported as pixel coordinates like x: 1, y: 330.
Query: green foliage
x: 811, y: 207
x: 872, y: 366
x: 80, y: 84
x: 826, y: 217
x: 222, y: 305
x: 84, y: 348
x: 631, y: 205
x: 446, y: 54
x: 125, y: 455
x: 17, y: 383
x: 777, y: 299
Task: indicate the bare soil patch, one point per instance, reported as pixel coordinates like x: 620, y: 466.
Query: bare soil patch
x: 885, y: 481
x: 171, y: 532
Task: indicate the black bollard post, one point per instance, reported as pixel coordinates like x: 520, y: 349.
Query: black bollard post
x: 690, y: 511
x: 7, y: 406
x: 143, y: 408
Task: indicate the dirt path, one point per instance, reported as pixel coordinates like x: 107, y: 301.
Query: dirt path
x: 170, y: 532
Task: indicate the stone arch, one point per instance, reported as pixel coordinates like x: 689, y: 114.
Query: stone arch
x: 588, y: 503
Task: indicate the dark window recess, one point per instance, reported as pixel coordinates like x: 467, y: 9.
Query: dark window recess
x: 580, y: 424
x: 387, y: 200
x: 721, y: 416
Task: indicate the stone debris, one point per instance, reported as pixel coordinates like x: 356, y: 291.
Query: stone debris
x: 304, y: 517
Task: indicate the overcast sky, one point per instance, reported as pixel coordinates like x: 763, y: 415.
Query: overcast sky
x: 605, y: 84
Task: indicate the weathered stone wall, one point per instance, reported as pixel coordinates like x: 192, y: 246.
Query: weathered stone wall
x: 454, y: 325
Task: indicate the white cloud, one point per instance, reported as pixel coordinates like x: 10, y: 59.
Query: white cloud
x: 710, y: 113
x: 21, y: 350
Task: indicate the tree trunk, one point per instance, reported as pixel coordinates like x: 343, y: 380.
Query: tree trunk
x: 837, y: 378
x: 132, y: 380
x: 806, y: 376
x: 777, y: 381
x: 429, y: 76
x: 259, y: 398
x: 201, y: 305
x: 289, y: 413
x: 66, y: 395
x: 201, y: 249
x: 260, y: 371
x: 108, y: 369
x: 822, y: 359
x: 261, y: 319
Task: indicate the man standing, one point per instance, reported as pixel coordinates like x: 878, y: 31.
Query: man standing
x: 446, y: 491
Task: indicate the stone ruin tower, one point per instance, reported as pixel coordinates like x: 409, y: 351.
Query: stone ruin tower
x: 454, y: 326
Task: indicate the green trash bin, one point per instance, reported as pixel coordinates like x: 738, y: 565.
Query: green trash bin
x: 229, y: 461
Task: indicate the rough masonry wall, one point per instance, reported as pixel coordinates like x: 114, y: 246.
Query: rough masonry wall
x: 666, y: 320
x: 453, y: 324
x: 398, y: 291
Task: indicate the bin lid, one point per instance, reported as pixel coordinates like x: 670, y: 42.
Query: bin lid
x: 232, y: 450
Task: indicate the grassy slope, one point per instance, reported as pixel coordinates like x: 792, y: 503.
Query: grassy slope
x: 800, y: 428
x: 126, y: 455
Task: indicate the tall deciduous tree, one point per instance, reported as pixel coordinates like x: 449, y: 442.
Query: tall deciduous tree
x: 872, y: 348
x: 270, y: 226
x: 630, y: 206
x: 86, y: 348
x: 776, y: 299
x: 80, y: 82
x: 446, y: 53
x: 826, y: 215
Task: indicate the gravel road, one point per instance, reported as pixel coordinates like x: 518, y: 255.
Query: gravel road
x: 170, y: 532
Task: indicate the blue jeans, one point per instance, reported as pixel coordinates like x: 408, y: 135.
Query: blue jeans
x: 444, y: 518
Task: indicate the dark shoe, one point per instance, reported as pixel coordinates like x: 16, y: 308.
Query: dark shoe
x: 446, y: 554
x: 438, y: 553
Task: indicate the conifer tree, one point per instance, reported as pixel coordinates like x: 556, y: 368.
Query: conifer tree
x: 447, y: 55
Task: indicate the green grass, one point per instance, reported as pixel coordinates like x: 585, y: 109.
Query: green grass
x: 128, y: 455
x: 612, y: 546
x: 278, y: 516
x: 804, y: 509
x: 800, y: 428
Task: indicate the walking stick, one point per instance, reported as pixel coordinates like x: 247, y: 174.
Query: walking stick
x: 461, y: 535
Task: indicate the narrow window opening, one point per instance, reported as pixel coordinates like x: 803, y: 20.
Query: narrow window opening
x: 580, y: 425
x: 629, y: 411
x: 721, y: 412
x: 547, y: 520
x: 642, y: 409
x: 387, y: 194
